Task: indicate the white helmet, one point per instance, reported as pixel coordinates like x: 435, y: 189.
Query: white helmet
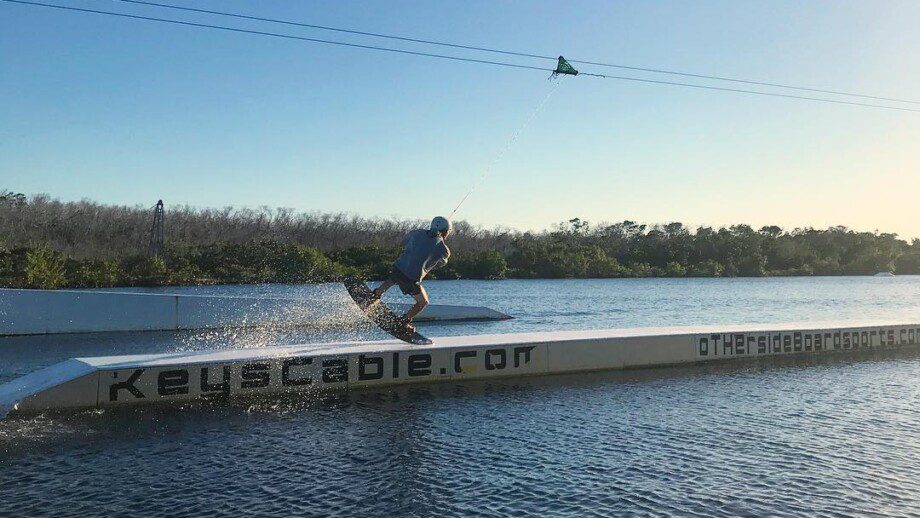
x: 441, y: 225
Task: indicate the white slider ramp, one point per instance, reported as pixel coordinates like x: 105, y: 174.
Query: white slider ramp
x: 31, y: 312
x: 176, y: 377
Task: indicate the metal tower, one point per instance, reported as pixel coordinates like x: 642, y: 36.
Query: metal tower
x: 156, y: 231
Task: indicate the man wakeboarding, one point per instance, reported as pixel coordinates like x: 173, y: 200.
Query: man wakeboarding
x: 423, y: 251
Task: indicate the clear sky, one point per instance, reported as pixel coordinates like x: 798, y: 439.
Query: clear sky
x: 127, y: 112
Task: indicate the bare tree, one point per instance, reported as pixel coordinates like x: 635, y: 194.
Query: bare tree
x: 86, y: 229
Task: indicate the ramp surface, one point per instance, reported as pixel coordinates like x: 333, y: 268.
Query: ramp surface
x: 32, y: 312
x: 212, y: 375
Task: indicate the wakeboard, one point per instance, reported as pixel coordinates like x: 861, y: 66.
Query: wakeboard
x: 380, y: 314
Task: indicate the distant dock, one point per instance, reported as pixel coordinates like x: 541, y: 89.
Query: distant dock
x: 36, y: 312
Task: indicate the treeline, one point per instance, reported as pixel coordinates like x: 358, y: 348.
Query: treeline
x: 577, y: 249
x: 236, y: 263
x: 46, y: 243
x: 90, y: 230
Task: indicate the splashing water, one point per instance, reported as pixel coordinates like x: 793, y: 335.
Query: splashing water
x: 321, y: 313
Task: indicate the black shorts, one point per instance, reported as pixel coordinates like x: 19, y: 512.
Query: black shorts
x: 406, y: 285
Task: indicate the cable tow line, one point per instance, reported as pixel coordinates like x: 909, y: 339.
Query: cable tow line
x: 514, y: 136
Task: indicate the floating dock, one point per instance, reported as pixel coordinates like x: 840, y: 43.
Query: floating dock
x: 221, y: 374
x: 34, y: 312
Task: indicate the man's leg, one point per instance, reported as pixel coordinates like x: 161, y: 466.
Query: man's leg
x: 421, y: 302
x: 387, y: 284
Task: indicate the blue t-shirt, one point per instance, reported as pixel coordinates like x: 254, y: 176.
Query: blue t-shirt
x: 422, y: 252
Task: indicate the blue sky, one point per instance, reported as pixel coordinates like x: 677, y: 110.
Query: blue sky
x: 127, y: 112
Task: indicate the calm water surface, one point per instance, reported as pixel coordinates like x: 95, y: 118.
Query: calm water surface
x: 832, y: 436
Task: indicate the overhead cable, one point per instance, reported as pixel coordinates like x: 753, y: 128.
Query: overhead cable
x: 513, y: 53
x: 444, y: 56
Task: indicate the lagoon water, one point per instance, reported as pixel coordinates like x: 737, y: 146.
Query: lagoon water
x: 831, y: 436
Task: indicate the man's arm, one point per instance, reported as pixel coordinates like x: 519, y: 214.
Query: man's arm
x: 445, y: 254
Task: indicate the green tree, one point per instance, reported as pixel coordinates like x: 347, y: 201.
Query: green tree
x: 296, y: 263
x: 92, y: 273
x: 483, y: 265
x: 16, y: 198
x: 183, y: 271
x: 44, y: 269
x: 13, y: 268
x: 641, y: 270
x: 908, y: 263
x: 708, y: 268
x: 674, y: 269
x: 370, y: 262
x: 145, y: 271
